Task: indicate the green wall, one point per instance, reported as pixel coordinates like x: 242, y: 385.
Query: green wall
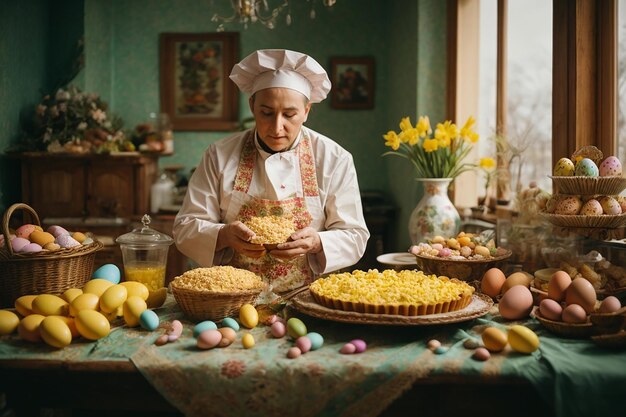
x: 405, y: 37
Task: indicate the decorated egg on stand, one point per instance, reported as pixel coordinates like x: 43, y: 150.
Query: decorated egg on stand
x: 564, y: 168
x: 610, y: 167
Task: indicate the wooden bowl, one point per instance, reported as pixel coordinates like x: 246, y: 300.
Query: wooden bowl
x: 462, y: 269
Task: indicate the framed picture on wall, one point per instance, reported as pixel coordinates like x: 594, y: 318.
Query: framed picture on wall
x: 195, y: 89
x: 353, y: 82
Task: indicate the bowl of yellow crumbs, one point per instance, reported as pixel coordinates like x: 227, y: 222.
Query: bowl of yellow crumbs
x: 216, y: 292
x: 271, y: 230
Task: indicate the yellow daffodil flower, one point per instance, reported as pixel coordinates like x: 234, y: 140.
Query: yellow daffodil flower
x: 405, y: 124
x: 467, y: 131
x: 431, y: 145
x: 487, y: 163
x: 392, y: 140
x: 409, y: 136
x: 423, y: 127
x: 446, y: 132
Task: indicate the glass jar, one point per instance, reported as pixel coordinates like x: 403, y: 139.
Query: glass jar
x: 144, y: 253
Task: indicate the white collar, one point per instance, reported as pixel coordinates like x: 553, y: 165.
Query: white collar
x: 264, y: 154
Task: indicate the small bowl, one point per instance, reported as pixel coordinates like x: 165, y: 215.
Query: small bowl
x: 462, y: 269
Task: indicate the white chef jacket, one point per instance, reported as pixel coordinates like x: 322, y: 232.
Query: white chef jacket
x: 207, y: 205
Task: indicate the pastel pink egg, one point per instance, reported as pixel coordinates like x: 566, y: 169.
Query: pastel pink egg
x: 359, y: 345
x: 18, y: 244
x: 25, y: 230
x: 303, y: 343
x: 208, y: 339
x: 294, y: 352
x: 347, y: 349
x: 57, y: 231
x: 481, y: 354
x: 31, y: 248
x: 278, y: 329
x: 66, y: 241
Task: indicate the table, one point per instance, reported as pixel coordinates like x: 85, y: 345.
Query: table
x: 126, y: 373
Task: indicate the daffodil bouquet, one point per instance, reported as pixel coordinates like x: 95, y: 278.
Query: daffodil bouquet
x: 438, y: 156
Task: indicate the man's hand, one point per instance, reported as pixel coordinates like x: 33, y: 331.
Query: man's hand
x: 303, y: 241
x: 237, y: 236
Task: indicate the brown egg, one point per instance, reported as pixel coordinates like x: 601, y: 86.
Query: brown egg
x: 516, y: 278
x: 610, y: 304
x: 559, y: 282
x: 516, y: 303
x: 492, y: 282
x: 581, y: 292
x: 550, y: 309
x: 574, y: 313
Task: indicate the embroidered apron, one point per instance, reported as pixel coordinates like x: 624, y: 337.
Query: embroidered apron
x: 304, y: 207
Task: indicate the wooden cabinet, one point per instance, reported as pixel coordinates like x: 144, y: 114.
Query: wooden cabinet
x: 67, y: 185
x: 105, y: 195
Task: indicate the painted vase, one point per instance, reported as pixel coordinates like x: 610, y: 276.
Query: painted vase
x: 434, y: 214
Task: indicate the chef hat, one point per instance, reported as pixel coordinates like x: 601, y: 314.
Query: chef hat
x: 281, y: 68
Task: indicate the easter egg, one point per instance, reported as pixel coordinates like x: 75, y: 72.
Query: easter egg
x: 294, y: 352
x: 550, y: 309
x: 494, y: 339
x: 97, y: 286
x: 18, y: 243
x: 516, y: 303
x: 296, y: 328
x: 278, y: 329
x: 228, y: 336
x: 610, y: 304
x: 563, y: 168
x: 574, y: 313
x: 50, y: 305
x: 202, y: 326
x: 71, y: 293
x: 317, y: 341
x: 41, y: 238
x: 137, y: 289
x: 247, y: 341
x: 586, y: 168
x: 24, y: 304
x: 25, y: 230
x: 31, y: 248
x: 569, y: 205
x: 79, y: 237
x: 492, y: 282
x: 133, y: 307
x: 85, y: 301
x: 92, y: 324
x: 28, y: 329
x: 66, y: 241
x: 581, y: 292
x: 55, y: 332
x: 71, y: 324
x: 149, y: 320
x: 481, y: 354
x: 248, y: 316
x: 208, y: 339
x: 8, y: 322
x: 592, y: 207
x: 110, y: 272
x: 522, y: 339
x: 57, y: 231
x: 347, y: 349
x: 156, y: 298
x: 303, y: 343
x: 359, y: 344
x: 516, y: 278
x: 609, y: 205
x: 230, y: 322
x: 112, y: 298
x: 610, y: 167
x: 51, y: 247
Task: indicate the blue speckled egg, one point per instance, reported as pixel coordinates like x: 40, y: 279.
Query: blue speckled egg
x: 110, y: 272
x: 587, y: 168
x: 230, y: 322
x: 563, y: 168
x: 202, y: 326
x: 316, y: 340
x: 149, y: 320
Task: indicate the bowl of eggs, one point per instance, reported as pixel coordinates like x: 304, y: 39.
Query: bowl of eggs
x: 466, y: 257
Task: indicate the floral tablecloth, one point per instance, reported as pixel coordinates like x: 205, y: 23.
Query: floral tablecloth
x: 575, y: 376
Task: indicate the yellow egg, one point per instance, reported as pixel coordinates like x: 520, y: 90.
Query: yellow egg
x: 55, y: 332
x: 248, y: 316
x: 50, y: 305
x: 41, y: 238
x: 247, y: 341
x: 28, y: 329
x: 8, y: 322
x: 494, y: 339
x: 86, y: 301
x: 71, y: 323
x: 133, y: 307
x: 24, y: 304
x: 70, y: 294
x: 516, y: 278
x: 522, y: 339
x: 97, y: 286
x: 112, y: 298
x: 92, y: 324
x: 157, y: 298
x: 136, y: 288
x: 80, y: 237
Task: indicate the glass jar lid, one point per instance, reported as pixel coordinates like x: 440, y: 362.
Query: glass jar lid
x: 144, y: 236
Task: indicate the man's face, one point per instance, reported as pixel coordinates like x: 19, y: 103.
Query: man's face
x: 279, y: 114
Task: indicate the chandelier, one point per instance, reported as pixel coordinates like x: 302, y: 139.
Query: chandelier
x: 253, y: 11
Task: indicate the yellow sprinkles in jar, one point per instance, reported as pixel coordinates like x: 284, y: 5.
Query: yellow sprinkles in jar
x: 218, y: 279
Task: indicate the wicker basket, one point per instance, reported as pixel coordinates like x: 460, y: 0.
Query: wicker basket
x: 568, y: 330
x: 588, y: 185
x: 212, y: 305
x: 462, y: 269
x: 42, y: 272
x: 578, y: 220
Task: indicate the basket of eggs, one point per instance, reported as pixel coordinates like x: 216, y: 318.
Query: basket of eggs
x: 34, y: 261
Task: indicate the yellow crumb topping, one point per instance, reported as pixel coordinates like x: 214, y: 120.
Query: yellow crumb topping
x: 271, y: 229
x: 391, y: 287
x: 218, y: 279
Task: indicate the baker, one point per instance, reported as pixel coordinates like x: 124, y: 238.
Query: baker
x: 278, y: 167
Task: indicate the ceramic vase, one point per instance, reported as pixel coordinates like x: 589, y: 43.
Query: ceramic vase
x: 434, y: 214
